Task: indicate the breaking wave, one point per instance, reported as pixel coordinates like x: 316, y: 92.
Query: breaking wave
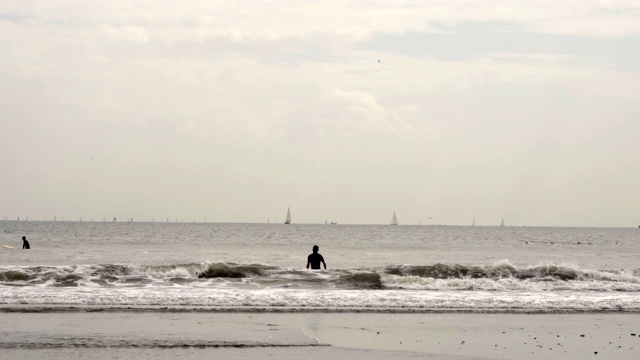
x: 502, y: 276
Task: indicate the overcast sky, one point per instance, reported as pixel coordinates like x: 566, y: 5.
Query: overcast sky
x: 346, y: 111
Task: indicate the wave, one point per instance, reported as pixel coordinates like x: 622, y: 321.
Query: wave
x: 498, y: 287
x: 500, y: 276
x: 504, y: 269
x: 224, y: 270
x: 296, y: 300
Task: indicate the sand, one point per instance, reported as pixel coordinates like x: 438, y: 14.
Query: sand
x: 170, y: 335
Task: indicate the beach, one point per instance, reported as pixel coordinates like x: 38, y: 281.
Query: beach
x: 452, y: 180
x: 160, y: 334
x: 240, y: 291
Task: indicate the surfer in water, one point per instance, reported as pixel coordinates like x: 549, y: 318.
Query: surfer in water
x: 315, y: 259
x: 25, y: 243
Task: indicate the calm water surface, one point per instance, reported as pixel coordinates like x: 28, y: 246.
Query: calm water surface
x: 344, y: 246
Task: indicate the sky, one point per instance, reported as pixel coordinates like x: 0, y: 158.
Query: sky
x: 348, y: 111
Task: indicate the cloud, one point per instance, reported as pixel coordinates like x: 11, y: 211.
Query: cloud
x: 339, y: 21
x: 356, y: 112
x: 129, y: 33
x: 295, y: 97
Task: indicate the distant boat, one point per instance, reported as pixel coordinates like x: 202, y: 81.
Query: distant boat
x: 394, y: 219
x: 502, y: 222
x: 473, y: 223
x: 288, y: 220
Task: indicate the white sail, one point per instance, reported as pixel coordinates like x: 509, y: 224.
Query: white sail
x: 288, y: 220
x: 394, y: 219
x: 502, y: 222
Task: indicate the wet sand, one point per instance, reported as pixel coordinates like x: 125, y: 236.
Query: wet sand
x: 496, y: 336
x: 169, y: 335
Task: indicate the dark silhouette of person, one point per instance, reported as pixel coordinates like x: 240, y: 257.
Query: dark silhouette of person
x: 25, y: 243
x: 315, y: 259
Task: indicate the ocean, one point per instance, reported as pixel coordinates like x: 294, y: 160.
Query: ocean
x: 371, y: 268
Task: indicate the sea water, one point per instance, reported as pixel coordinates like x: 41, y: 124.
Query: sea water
x: 375, y: 268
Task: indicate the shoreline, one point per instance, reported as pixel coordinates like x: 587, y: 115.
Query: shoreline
x: 53, y: 308
x: 237, y: 335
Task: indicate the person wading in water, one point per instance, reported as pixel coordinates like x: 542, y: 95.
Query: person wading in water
x: 315, y: 259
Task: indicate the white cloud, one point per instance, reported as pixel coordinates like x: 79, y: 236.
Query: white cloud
x: 250, y: 21
x: 358, y: 112
x: 201, y: 96
x: 134, y: 34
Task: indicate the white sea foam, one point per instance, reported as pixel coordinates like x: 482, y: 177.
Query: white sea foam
x: 505, y: 284
x: 499, y: 276
x: 375, y: 300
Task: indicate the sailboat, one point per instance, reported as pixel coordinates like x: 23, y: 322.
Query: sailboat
x: 473, y: 223
x: 394, y: 219
x: 288, y: 220
x: 502, y: 222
